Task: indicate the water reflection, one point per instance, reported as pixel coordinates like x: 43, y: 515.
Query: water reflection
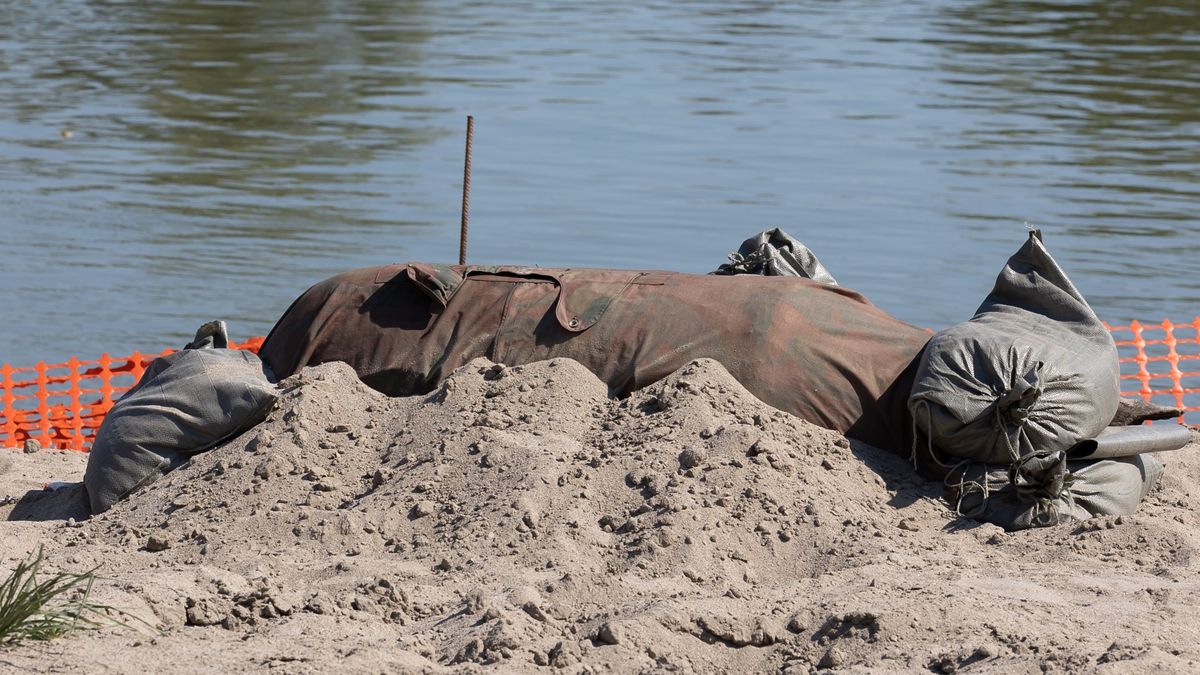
x: 1108, y: 89
x: 270, y: 98
x: 274, y: 86
x: 202, y: 143
x: 1092, y: 105
x: 270, y: 120
x: 169, y: 163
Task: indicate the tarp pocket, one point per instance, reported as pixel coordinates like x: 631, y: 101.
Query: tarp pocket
x: 584, y: 295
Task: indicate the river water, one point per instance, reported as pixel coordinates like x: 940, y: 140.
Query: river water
x: 164, y: 163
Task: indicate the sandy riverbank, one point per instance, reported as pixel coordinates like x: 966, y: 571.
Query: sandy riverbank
x: 518, y: 519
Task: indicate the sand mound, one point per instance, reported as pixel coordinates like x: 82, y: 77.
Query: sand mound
x: 519, y: 518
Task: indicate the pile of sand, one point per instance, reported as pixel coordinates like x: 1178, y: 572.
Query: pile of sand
x: 519, y: 518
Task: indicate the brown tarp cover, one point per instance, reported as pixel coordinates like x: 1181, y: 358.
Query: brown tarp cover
x: 820, y: 352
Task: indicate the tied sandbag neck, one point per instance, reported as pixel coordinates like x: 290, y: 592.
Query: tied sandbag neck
x: 775, y: 253
x: 1041, y: 478
x: 1037, y: 477
x: 1013, y: 407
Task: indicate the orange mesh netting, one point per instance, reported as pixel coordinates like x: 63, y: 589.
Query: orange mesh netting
x: 62, y: 405
x: 1159, y: 362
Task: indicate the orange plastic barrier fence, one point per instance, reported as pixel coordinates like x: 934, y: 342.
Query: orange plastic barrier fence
x: 62, y: 405
x: 1159, y: 362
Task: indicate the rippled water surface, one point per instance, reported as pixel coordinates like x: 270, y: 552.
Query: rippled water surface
x: 167, y: 163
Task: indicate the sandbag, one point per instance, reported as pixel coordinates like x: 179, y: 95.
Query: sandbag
x: 1048, y: 489
x: 1034, y: 370
x: 185, y: 403
x: 775, y: 253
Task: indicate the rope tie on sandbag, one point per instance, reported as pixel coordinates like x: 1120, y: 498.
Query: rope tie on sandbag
x: 1037, y: 477
x: 1040, y: 478
x: 964, y: 486
x: 1014, y: 406
x: 913, y: 455
x: 1014, y: 455
x: 922, y: 403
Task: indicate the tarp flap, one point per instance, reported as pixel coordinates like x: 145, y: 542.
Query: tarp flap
x: 439, y: 282
x: 585, y: 295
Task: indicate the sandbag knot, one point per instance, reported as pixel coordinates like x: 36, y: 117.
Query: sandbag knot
x: 1040, y: 476
x: 1015, y: 403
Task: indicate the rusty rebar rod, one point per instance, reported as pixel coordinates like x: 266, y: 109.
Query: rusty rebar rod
x: 466, y: 195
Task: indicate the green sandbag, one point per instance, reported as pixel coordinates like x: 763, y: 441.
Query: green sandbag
x: 775, y: 253
x: 1047, y: 489
x: 185, y: 403
x: 1034, y: 370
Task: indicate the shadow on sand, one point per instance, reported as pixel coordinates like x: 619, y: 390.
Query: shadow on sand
x: 898, y: 475
x: 41, y: 505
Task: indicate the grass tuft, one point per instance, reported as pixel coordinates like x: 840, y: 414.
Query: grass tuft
x: 46, y: 608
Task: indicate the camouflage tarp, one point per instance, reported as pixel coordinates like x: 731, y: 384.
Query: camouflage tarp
x: 820, y: 352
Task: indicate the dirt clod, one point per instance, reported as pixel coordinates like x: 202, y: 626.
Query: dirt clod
x: 157, y: 542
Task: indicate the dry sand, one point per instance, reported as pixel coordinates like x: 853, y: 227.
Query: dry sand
x: 517, y: 519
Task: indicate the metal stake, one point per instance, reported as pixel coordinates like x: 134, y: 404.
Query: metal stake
x: 466, y: 197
